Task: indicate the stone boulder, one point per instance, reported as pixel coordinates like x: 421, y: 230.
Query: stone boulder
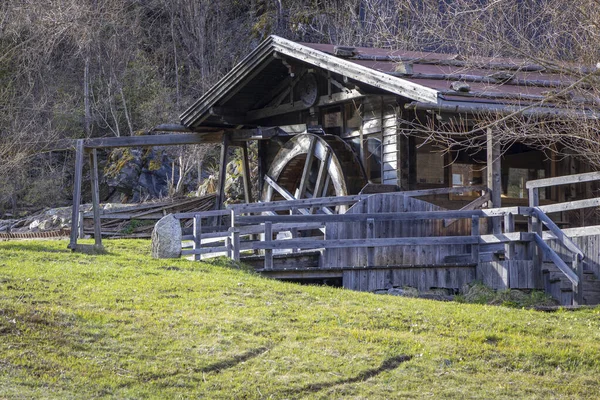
x: 166, y: 238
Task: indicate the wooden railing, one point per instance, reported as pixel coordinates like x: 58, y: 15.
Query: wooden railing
x: 538, y: 219
x: 244, y: 222
x: 209, y: 239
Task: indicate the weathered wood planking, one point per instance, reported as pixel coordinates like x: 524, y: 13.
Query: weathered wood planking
x: 422, y: 278
x: 590, y: 246
x: 500, y: 275
x: 393, y: 255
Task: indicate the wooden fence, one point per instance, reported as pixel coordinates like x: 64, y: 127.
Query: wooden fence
x: 378, y: 228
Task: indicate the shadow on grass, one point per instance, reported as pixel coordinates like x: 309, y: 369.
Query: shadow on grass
x: 43, y: 248
x: 387, y: 365
x: 232, y: 362
x: 38, y: 247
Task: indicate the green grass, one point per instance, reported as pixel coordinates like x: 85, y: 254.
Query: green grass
x: 122, y: 325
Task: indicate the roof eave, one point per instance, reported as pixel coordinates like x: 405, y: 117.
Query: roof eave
x: 253, y: 63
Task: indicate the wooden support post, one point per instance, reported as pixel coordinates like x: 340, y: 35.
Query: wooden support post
x: 262, y: 166
x: 228, y: 246
x: 246, y: 173
x: 509, y: 226
x: 96, y: 198
x: 235, y: 245
x: 535, y: 226
x: 578, y: 289
x: 76, y: 194
x: 81, y: 231
x: 475, y: 233
x: 197, y: 236
x: 268, y: 252
x: 222, y: 174
x: 494, y: 176
x: 370, y: 235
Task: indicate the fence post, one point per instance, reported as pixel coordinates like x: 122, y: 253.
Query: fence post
x: 228, y: 246
x: 235, y: 244
x: 509, y: 226
x: 80, y: 226
x: 475, y: 233
x: 370, y: 235
x: 535, y: 226
x: 268, y: 252
x: 197, y: 236
x: 578, y: 289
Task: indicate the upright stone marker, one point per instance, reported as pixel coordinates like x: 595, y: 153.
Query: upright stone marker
x: 166, y: 238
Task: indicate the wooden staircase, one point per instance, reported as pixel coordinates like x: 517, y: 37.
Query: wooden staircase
x: 560, y: 288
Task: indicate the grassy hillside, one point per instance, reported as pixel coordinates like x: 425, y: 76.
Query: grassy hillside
x: 123, y: 325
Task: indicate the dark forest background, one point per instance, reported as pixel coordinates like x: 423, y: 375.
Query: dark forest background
x: 90, y: 68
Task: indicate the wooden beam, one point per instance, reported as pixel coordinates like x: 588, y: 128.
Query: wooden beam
x: 563, y: 180
x: 222, y: 173
x: 494, y: 176
x: 281, y: 190
x: 570, y: 205
x: 354, y: 71
x: 95, y: 198
x: 385, y: 216
x: 335, y: 98
x: 246, y: 174
x: 76, y: 193
x: 307, y: 167
x: 178, y: 139
x: 174, y: 139
x: 322, y: 175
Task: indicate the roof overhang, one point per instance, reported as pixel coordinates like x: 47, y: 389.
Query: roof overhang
x: 276, y: 46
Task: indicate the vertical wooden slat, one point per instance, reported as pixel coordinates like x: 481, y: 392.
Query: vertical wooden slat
x: 307, y: 167
x: 228, y: 246
x: 578, y: 289
x: 268, y: 252
x: 246, y: 173
x: 494, y: 181
x: 535, y: 226
x: 370, y: 235
x: 197, y: 235
x: 509, y: 226
x: 235, y: 245
x: 81, y: 231
x: 222, y: 174
x: 76, y: 193
x: 475, y: 233
x: 95, y: 197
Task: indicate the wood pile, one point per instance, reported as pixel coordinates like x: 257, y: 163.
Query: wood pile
x: 137, y: 221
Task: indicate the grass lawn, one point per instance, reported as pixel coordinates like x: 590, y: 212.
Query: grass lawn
x: 123, y: 325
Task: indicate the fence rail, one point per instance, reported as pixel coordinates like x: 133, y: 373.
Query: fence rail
x: 292, y: 224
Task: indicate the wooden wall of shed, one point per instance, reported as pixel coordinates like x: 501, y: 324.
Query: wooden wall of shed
x: 393, y: 255
x: 380, y: 121
x: 513, y: 274
x: 422, y: 278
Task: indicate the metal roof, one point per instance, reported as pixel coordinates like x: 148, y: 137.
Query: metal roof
x: 430, y: 80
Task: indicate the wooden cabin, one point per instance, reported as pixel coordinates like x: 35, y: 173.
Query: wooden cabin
x: 369, y: 128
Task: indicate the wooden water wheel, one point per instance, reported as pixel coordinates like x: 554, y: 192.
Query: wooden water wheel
x: 311, y: 165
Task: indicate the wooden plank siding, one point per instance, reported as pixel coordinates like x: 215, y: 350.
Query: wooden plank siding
x: 393, y: 255
x: 589, y: 244
x: 423, y: 278
x: 380, y: 120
